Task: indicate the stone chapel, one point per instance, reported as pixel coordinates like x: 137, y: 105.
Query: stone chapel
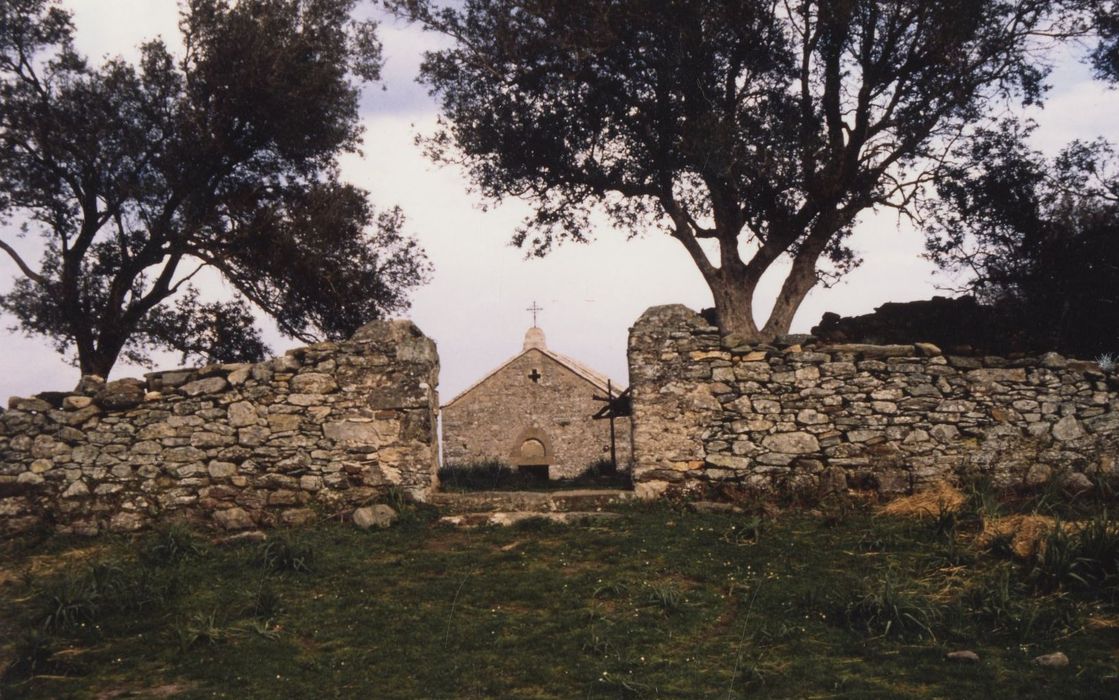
x: 534, y: 413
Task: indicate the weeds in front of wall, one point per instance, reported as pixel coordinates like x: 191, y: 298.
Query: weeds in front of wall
x: 495, y: 475
x: 204, y: 628
x: 79, y: 599
x: 170, y: 544
x: 284, y: 553
x: 32, y: 654
x: 666, y: 597
x: 883, y: 610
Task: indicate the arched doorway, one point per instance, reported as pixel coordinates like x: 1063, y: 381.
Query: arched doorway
x: 532, y: 453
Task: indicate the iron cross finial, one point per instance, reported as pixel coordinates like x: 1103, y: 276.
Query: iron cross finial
x: 534, y: 309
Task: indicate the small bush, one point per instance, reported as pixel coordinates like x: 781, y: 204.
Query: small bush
x: 203, y: 628
x: 32, y: 655
x: 495, y: 475
x: 199, y: 628
x: 83, y: 598
x: 667, y: 597
x: 1107, y: 361
x: 997, y: 600
x: 67, y: 604
x: 480, y: 476
x: 1086, y: 559
x: 945, y: 520
x: 170, y: 544
x: 884, y: 611
x: 744, y: 533
x: 281, y: 554
x: 266, y: 603
x: 1097, y: 547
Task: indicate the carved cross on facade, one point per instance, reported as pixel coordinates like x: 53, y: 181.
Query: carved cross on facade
x: 535, y: 376
x: 534, y: 309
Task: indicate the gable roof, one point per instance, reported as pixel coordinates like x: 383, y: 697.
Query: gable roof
x: 599, y: 381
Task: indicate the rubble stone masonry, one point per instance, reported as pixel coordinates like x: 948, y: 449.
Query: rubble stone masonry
x: 829, y: 417
x: 327, y: 426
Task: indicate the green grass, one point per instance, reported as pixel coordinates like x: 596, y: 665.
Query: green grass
x: 662, y: 603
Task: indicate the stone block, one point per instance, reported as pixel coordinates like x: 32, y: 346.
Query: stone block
x: 1067, y: 429
x: 234, y: 519
x: 728, y: 461
x: 202, y: 387
x: 791, y: 443
x: 361, y: 433
x: 242, y: 414
x: 988, y: 375
x: 121, y: 394
x: 377, y: 516
x: 221, y: 470
x: 76, y: 402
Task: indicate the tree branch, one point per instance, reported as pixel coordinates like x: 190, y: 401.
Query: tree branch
x: 23, y: 266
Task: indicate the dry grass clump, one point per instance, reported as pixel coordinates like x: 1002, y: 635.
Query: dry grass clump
x: 1025, y: 535
x: 932, y: 502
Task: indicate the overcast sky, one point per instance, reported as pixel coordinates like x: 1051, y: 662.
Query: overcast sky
x: 474, y: 307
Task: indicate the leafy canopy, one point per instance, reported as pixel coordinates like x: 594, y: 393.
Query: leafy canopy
x: 752, y: 130
x: 1036, y: 238
x: 136, y: 178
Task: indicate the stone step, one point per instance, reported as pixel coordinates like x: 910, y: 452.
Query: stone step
x: 507, y: 518
x: 529, y: 501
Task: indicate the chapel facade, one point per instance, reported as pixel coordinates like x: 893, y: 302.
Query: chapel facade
x: 534, y: 413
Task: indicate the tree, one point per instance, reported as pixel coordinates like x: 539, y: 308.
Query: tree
x: 753, y: 130
x: 1038, y: 239
x: 137, y: 178
x: 1105, y: 20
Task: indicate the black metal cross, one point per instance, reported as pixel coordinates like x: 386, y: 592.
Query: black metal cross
x: 535, y: 376
x: 534, y: 309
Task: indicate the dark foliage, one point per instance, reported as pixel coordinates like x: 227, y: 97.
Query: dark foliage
x: 138, y: 177
x: 1039, y: 240
x: 761, y: 127
x: 498, y: 476
x: 960, y: 326
x: 1105, y: 57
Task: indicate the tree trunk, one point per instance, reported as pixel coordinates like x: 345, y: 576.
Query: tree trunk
x: 101, y: 360
x: 733, y: 290
x: 800, y: 280
x: 734, y: 306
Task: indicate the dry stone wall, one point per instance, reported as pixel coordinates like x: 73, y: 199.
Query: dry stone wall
x: 825, y: 417
x: 329, y: 426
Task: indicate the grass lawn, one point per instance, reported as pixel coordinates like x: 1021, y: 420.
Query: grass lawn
x: 660, y: 603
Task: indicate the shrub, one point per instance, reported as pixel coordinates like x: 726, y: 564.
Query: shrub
x: 494, y: 475
x: 486, y: 475
x: 31, y: 655
x: 997, y: 600
x: 1097, y: 546
x: 1107, y: 361
x: 284, y: 554
x: 170, y: 544
x: 84, y: 597
x: 266, y: 603
x: 667, y: 597
x: 884, y: 611
x: 1086, y: 559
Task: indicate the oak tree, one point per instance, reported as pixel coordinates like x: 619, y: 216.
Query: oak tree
x: 753, y: 131
x: 137, y: 178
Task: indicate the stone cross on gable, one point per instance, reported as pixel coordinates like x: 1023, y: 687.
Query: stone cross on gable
x: 534, y: 309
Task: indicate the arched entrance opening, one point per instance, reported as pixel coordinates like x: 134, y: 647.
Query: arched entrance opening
x: 532, y: 453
